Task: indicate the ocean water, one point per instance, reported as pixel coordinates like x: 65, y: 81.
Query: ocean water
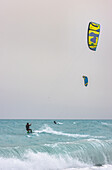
x: 67, y: 145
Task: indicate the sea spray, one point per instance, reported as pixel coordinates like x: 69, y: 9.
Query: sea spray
x: 40, y: 161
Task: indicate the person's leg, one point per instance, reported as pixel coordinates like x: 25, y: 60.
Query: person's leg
x: 30, y: 130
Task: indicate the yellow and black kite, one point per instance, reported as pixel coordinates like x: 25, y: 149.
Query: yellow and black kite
x: 93, y: 35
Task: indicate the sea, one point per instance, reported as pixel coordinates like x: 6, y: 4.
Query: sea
x: 67, y: 145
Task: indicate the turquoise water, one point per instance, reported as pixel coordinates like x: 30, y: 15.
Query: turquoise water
x: 69, y: 144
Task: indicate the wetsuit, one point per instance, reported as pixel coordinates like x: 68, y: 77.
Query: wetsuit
x: 27, y: 127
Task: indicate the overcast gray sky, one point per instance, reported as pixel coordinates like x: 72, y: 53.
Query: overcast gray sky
x: 44, y: 54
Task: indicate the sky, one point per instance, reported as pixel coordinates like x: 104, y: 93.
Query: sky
x: 44, y: 54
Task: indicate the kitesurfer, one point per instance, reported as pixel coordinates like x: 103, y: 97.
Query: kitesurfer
x: 55, y: 122
x: 28, y: 128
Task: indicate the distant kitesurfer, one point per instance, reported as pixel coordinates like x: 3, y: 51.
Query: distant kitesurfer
x: 55, y: 122
x: 28, y: 128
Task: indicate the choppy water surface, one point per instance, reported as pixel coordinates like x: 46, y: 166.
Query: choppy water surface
x: 69, y: 144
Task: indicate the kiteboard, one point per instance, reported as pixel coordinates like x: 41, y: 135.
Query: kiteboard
x: 29, y: 131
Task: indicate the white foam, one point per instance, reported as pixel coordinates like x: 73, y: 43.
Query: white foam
x: 44, y: 161
x: 58, y: 143
x: 59, y: 123
x: 47, y: 129
x: 105, y: 167
x: 74, y: 122
x: 106, y: 124
x: 39, y: 161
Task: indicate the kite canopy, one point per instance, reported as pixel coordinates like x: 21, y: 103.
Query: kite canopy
x: 85, y: 80
x: 93, y: 35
